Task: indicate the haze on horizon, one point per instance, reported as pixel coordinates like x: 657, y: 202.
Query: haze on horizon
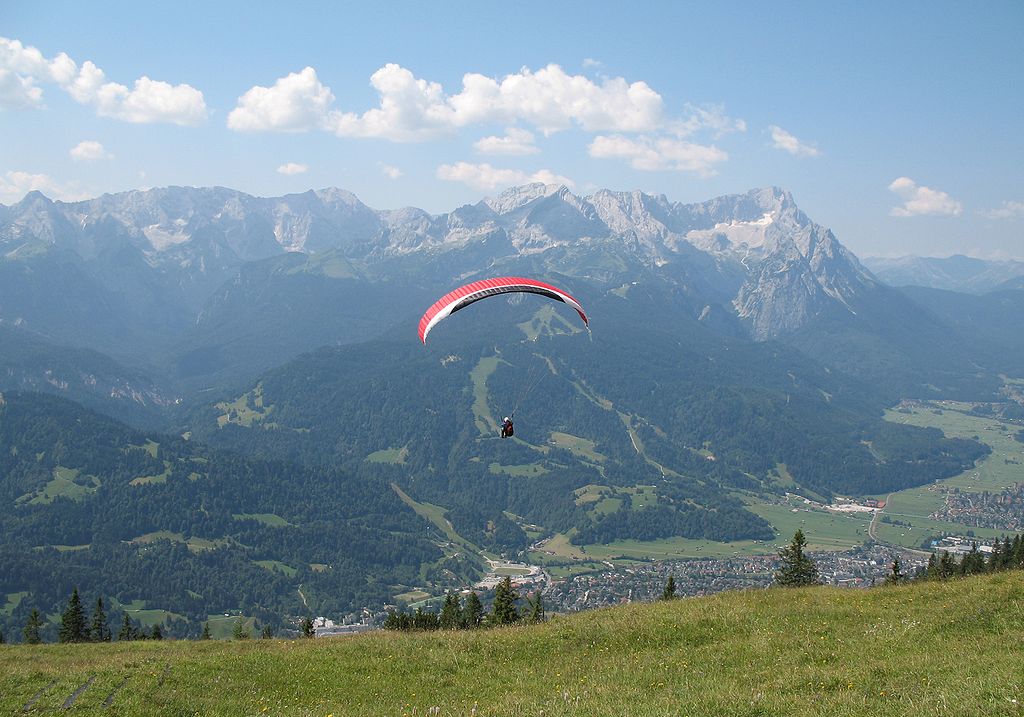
x: 894, y: 126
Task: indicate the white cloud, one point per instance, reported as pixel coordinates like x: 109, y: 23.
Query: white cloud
x: 14, y: 185
x: 590, y: 63
x: 515, y: 142
x: 486, y: 177
x: 89, y: 151
x: 389, y: 171
x: 23, y: 71
x: 918, y: 200
x: 657, y: 154
x: 1008, y: 210
x: 296, y: 103
x: 781, y: 139
x: 413, y: 109
x: 293, y: 168
x: 710, y: 117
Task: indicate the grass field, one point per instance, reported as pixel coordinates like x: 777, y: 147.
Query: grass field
x: 435, y: 514
x: 546, y: 322
x: 579, y: 447
x: 927, y: 649
x: 149, y: 480
x: 245, y: 410
x: 482, y: 413
x: 523, y: 469
x: 910, y: 508
x: 65, y: 483
x: 277, y: 566
x: 395, y: 456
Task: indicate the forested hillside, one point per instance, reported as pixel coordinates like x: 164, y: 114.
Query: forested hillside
x: 178, y: 527
x: 650, y: 398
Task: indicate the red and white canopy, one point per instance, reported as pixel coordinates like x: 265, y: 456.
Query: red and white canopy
x: 466, y: 295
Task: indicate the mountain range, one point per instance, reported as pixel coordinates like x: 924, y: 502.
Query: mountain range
x: 737, y: 351
x: 955, y: 273
x: 203, y: 287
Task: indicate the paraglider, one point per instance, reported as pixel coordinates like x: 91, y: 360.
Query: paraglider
x: 465, y: 295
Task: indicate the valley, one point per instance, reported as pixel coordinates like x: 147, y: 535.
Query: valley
x: 279, y: 411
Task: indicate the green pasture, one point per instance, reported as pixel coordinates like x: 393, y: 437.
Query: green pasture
x: 66, y: 483
x: 911, y: 508
x: 883, y: 652
x: 149, y: 480
x: 394, y: 456
x: 520, y: 470
x: 11, y: 602
x: 993, y: 473
x: 579, y: 447
x: 483, y: 419
x: 245, y: 410
x: 276, y: 566
x: 546, y: 321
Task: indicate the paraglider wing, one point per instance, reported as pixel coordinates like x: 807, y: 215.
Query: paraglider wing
x: 466, y: 295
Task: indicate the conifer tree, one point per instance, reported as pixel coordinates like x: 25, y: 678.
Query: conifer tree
x: 99, y: 631
x: 240, y: 632
x: 267, y: 633
x: 33, y: 627
x: 669, y: 593
x: 206, y: 631
x: 157, y: 633
x: 947, y: 566
x: 72, y: 622
x: 450, y: 612
x: 307, y: 627
x: 2, y: 641
x: 505, y: 597
x: 896, y: 576
x: 796, y: 569
x: 536, y: 613
x: 473, y: 612
x: 127, y: 631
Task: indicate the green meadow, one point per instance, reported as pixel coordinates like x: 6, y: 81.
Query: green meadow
x: 950, y: 648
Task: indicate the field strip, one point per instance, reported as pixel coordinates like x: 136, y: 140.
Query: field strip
x: 37, y: 695
x: 110, y: 698
x: 74, y: 695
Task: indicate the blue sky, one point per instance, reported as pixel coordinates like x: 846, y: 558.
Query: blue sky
x: 898, y: 125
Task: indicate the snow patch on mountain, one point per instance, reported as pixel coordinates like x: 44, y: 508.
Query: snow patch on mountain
x: 733, y: 235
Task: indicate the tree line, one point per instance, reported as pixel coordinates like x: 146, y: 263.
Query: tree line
x: 456, y: 614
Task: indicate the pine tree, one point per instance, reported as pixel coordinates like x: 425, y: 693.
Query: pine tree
x: 536, y: 613
x: 2, y: 640
x: 896, y: 576
x: 796, y: 569
x: 33, y: 626
x: 947, y: 566
x: 473, y: 612
x: 670, y: 589
x: 72, y: 622
x: 206, y: 631
x: 505, y: 597
x: 307, y: 628
x: 157, y: 633
x: 267, y: 633
x: 99, y: 630
x: 450, y: 612
x: 127, y: 631
x: 240, y: 632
